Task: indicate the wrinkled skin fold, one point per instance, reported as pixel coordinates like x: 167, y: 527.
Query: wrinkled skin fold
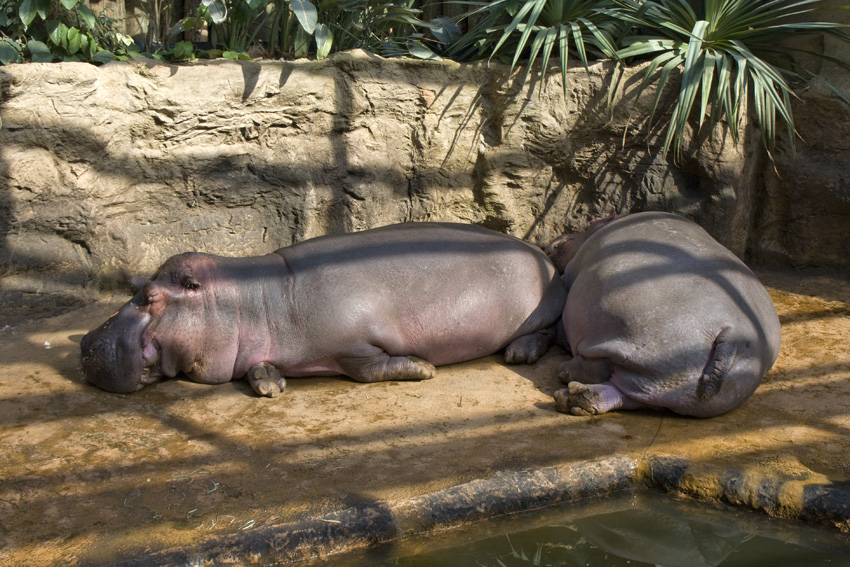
x: 384, y: 304
x: 660, y: 315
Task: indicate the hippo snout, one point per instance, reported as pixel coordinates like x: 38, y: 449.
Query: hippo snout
x: 114, y: 356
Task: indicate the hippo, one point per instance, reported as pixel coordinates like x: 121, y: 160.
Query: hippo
x: 389, y: 303
x: 660, y: 315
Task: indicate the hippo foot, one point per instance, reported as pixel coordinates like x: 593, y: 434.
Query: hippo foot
x: 593, y: 399
x: 390, y: 368
x: 576, y: 399
x: 266, y: 380
x: 581, y: 399
x: 529, y: 348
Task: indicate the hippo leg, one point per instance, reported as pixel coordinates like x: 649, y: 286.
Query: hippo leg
x: 593, y: 399
x: 529, y: 348
x: 586, y: 370
x: 383, y: 367
x: 266, y: 380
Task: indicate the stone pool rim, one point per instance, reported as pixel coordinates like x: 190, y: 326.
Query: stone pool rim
x: 511, y: 492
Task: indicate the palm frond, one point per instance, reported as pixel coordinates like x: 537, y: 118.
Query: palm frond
x: 579, y: 27
x: 730, y: 52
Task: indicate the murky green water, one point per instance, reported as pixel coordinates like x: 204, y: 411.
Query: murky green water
x: 626, y: 532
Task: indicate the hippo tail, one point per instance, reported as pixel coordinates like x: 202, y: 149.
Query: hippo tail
x: 720, y: 361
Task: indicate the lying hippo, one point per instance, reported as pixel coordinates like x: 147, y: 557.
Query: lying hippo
x: 660, y: 315
x: 383, y: 304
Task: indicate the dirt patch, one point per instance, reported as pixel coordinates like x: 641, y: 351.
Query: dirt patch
x: 87, y: 476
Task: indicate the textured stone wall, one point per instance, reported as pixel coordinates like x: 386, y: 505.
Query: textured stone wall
x: 107, y: 171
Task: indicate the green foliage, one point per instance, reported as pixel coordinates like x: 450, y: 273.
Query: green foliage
x: 724, y: 51
x: 298, y: 28
x: 389, y: 28
x: 728, y: 53
x: 577, y: 26
x: 66, y: 30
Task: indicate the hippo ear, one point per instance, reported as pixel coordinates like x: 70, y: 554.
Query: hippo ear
x: 188, y: 281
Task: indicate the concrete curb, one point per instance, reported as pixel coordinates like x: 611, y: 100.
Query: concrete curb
x: 504, y: 493
x: 780, y: 496
x: 512, y: 492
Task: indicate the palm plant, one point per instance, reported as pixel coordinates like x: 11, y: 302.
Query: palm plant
x: 730, y: 47
x: 588, y: 24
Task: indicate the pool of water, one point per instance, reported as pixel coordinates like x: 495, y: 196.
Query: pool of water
x: 636, y: 530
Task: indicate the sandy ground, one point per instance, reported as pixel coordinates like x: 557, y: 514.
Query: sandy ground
x: 92, y: 477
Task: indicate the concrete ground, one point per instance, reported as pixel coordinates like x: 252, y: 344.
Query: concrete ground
x: 95, y: 478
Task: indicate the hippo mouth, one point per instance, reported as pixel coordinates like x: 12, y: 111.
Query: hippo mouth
x: 151, y: 371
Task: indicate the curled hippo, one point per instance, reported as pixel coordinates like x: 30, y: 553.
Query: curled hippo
x: 383, y: 304
x: 660, y: 315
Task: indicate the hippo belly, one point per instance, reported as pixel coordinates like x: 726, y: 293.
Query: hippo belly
x: 661, y: 315
x: 383, y: 304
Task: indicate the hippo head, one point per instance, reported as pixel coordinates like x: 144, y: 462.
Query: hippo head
x: 565, y: 247
x: 163, y: 331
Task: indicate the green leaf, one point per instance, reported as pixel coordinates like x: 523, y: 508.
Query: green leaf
x: 42, y: 8
x: 27, y: 12
x: 232, y: 55
x: 74, y: 39
x: 548, y: 44
x: 9, y: 51
x: 301, y: 45
x: 59, y: 35
x: 707, y: 79
x: 647, y: 46
x: 666, y: 70
x: 183, y: 50
x: 564, y: 52
x: 69, y: 4
x: 537, y: 7
x: 104, y: 56
x: 243, y: 12
x: 578, y: 41
x: 324, y: 41
x: 85, y: 45
x: 306, y: 13
x: 217, y: 10
x: 88, y: 16
x: 4, y: 20
x: 511, y: 27
x: 445, y: 30
x: 536, y: 44
x: 39, y: 52
x: 691, y: 80
x: 419, y: 51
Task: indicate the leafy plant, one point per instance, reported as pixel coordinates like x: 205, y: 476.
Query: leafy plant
x: 389, y: 28
x: 730, y: 47
x: 297, y: 28
x: 233, y: 25
x: 46, y: 30
x: 575, y: 26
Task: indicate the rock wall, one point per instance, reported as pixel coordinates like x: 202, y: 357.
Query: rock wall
x: 107, y: 171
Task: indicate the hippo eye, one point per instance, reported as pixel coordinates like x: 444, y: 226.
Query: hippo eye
x: 189, y: 282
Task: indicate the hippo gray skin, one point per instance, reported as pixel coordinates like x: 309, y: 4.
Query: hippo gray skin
x: 384, y: 304
x: 660, y: 315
